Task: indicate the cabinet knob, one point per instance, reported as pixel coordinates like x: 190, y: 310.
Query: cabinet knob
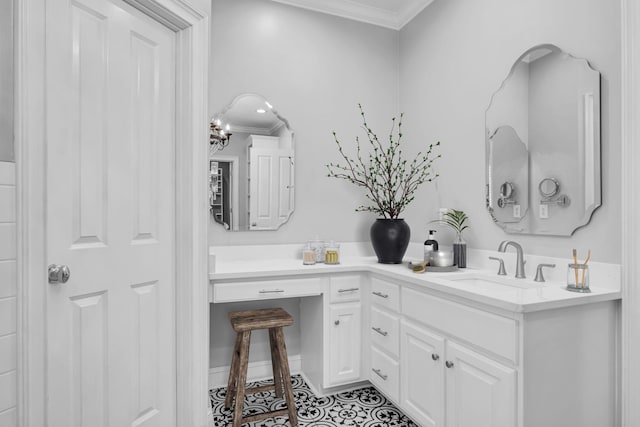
x: 434, y: 356
x: 337, y: 322
x: 449, y: 364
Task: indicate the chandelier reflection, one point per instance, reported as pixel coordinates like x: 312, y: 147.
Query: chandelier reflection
x: 219, y: 137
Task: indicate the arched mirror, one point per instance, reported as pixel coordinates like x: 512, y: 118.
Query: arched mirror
x: 251, y: 158
x: 543, y: 141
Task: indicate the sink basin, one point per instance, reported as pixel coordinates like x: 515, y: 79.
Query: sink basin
x: 495, y: 283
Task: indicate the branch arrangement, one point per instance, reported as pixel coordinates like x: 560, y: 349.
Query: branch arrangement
x: 390, y: 180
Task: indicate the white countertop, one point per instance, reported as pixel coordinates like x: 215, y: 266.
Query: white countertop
x: 525, y: 296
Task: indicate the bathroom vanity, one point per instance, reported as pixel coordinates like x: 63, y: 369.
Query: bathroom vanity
x: 467, y: 348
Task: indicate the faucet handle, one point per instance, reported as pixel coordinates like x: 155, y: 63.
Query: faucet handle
x: 539, y: 276
x: 501, y: 270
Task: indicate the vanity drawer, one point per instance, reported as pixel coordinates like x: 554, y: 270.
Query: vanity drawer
x: 385, y: 294
x: 494, y: 333
x: 345, y: 288
x: 266, y: 289
x: 385, y: 330
x: 385, y: 374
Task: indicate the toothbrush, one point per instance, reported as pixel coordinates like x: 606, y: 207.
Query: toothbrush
x: 584, y: 270
x: 575, y: 265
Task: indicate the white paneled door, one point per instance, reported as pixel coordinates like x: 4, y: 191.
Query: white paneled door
x: 111, y: 329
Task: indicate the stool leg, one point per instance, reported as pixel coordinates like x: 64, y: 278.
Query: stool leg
x: 233, y: 372
x: 286, y: 377
x: 242, y: 378
x: 275, y: 362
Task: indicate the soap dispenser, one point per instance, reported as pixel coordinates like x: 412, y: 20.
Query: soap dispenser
x: 430, y: 245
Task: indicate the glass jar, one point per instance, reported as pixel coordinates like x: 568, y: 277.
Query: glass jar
x: 578, y: 278
x: 318, y: 248
x: 332, y: 253
x: 308, y: 255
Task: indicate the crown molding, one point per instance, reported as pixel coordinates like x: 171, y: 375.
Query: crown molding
x: 358, y: 11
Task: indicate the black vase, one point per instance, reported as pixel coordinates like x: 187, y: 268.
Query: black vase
x: 390, y: 239
x: 460, y: 254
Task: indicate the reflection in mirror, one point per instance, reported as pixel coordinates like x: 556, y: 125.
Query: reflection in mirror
x: 543, y: 127
x: 549, y: 187
x: 251, y: 158
x: 507, y: 169
x: 506, y: 190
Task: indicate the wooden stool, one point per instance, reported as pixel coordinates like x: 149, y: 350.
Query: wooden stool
x: 243, y: 322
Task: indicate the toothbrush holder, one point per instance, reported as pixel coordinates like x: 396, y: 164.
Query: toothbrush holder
x: 578, y: 278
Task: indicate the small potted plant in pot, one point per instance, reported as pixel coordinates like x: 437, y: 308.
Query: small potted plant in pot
x: 391, y: 182
x: 456, y: 220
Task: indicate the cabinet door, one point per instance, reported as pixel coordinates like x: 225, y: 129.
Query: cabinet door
x: 343, y: 349
x: 422, y: 375
x: 480, y: 392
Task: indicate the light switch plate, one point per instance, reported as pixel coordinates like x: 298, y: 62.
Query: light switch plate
x: 516, y: 211
x: 544, y: 211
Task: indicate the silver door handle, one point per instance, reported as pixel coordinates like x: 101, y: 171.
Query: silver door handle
x: 348, y: 290
x: 379, y: 373
x: 380, y: 331
x: 58, y: 273
x: 381, y: 295
x: 271, y: 291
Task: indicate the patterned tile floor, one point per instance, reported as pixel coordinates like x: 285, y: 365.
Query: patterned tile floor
x: 365, y: 407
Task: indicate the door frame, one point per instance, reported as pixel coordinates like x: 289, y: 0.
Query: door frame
x: 630, y: 93
x: 190, y: 21
x: 235, y: 173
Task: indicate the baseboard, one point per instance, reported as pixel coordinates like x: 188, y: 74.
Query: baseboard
x: 256, y: 371
x: 333, y: 390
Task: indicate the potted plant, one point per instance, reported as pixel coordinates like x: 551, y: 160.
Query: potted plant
x: 456, y: 220
x: 390, y: 181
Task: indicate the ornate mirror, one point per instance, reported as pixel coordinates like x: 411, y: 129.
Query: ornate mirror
x: 543, y: 144
x: 251, y: 159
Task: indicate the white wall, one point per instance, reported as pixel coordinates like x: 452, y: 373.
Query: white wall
x: 6, y: 81
x: 455, y: 55
x: 8, y: 318
x: 314, y: 69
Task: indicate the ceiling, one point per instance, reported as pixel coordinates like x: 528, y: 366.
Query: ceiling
x: 392, y: 14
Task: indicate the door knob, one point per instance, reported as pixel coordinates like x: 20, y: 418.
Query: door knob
x: 58, y: 273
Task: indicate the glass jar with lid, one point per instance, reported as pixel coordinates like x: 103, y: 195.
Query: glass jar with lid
x: 332, y: 253
x: 308, y: 254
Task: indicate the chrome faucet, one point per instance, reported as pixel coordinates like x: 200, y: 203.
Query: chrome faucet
x: 519, y: 256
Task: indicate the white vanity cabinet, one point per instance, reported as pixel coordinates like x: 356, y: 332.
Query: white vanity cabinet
x: 447, y: 359
x: 480, y: 391
x: 343, y: 328
x: 444, y: 381
x: 422, y: 375
x: 464, y: 366
x: 384, y: 337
